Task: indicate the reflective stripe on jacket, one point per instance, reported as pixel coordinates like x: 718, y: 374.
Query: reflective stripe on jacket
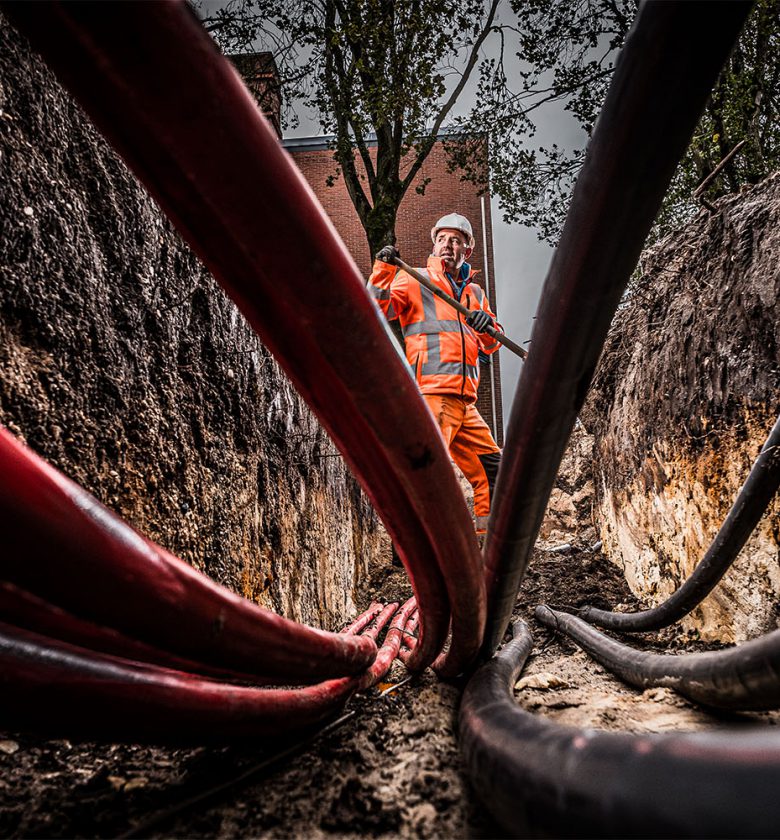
x: 442, y: 350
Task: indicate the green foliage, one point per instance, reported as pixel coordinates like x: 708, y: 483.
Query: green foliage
x: 744, y: 106
x: 564, y: 54
x: 567, y: 53
x: 383, y: 76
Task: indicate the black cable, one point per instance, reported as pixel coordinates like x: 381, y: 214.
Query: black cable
x: 742, y: 677
x: 671, y: 58
x: 753, y: 499
x: 539, y: 778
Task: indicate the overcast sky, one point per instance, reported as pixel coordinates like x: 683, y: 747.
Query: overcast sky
x: 521, y: 260
x: 521, y: 264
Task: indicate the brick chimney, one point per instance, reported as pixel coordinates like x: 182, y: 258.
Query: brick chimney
x: 261, y: 76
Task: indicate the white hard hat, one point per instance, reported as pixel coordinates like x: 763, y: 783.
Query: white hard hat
x: 454, y: 221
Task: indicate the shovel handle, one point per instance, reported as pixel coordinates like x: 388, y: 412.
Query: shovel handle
x: 493, y: 333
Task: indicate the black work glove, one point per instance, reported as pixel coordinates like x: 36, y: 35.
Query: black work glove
x: 479, y: 320
x: 388, y: 254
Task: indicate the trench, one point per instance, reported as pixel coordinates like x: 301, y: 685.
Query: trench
x: 435, y: 542
x: 392, y: 770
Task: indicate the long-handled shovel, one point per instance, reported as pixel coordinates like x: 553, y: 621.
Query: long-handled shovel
x: 421, y: 278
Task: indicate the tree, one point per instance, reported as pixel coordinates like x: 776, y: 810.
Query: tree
x: 568, y: 52
x: 383, y: 72
x: 744, y: 106
x: 382, y: 67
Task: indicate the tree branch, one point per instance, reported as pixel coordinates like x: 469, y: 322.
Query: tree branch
x: 427, y: 144
x: 344, y: 114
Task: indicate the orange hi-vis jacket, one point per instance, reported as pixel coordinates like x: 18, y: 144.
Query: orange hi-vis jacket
x: 441, y: 348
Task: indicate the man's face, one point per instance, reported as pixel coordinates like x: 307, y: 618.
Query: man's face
x: 451, y: 246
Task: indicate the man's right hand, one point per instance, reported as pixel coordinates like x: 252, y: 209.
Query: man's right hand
x: 388, y: 254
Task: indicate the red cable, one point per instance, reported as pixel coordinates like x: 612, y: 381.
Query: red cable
x: 154, y: 82
x: 62, y: 545
x: 390, y: 648
x: 364, y: 618
x: 23, y: 609
x: 100, y: 694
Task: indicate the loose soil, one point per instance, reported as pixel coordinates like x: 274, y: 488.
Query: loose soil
x: 392, y: 769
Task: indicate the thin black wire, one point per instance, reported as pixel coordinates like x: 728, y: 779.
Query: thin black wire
x: 247, y: 775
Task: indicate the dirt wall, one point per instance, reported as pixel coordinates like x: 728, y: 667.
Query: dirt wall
x: 684, y: 397
x: 123, y: 364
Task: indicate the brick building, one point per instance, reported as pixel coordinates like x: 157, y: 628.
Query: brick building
x: 444, y: 193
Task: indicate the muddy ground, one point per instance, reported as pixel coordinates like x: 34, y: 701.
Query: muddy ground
x: 392, y: 769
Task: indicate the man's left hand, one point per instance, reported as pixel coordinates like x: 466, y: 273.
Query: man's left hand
x: 479, y: 320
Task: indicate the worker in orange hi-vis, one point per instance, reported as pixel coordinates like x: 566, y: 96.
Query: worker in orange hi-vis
x: 443, y: 346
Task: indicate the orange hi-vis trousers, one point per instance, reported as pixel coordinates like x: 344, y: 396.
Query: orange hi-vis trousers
x: 470, y: 445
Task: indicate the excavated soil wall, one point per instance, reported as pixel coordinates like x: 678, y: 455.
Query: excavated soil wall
x: 123, y: 364
x: 684, y: 397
